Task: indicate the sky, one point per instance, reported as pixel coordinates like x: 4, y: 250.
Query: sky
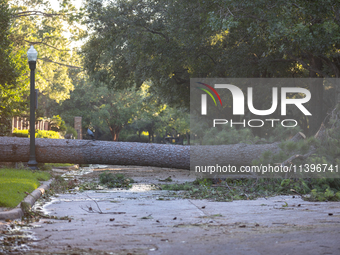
x: 55, y: 4
x: 77, y: 4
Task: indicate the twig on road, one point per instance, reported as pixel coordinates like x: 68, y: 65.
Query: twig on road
x: 89, y: 209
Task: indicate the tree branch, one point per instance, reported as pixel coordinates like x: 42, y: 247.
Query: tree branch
x: 213, y: 60
x: 34, y: 43
x: 33, y: 13
x: 69, y: 66
x: 230, y: 11
x: 156, y: 32
x: 251, y: 17
x: 91, y: 210
x: 308, y: 67
x: 283, y: 60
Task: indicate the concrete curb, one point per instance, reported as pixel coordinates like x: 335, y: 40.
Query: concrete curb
x: 17, y: 213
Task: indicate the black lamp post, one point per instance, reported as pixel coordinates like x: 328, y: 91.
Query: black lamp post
x: 32, y: 55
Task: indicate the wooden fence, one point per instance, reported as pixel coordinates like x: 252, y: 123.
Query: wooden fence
x: 22, y: 123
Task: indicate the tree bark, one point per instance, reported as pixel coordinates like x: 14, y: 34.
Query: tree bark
x: 317, y: 90
x: 13, y: 149
x: 316, y: 106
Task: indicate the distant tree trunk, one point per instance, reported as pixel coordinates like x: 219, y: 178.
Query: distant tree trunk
x: 188, y: 138
x: 152, y: 137
x: 337, y: 91
x: 316, y: 103
x: 115, y: 130
x: 316, y: 106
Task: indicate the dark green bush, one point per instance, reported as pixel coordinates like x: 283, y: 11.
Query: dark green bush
x: 71, y: 131
x: 115, y: 181
x: 135, y: 138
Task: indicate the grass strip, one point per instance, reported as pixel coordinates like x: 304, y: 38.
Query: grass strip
x: 16, y: 183
x: 59, y: 164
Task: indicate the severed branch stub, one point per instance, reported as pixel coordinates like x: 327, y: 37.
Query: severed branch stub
x: 89, y: 209
x: 296, y: 138
x: 292, y: 190
x: 299, y: 136
x: 289, y: 161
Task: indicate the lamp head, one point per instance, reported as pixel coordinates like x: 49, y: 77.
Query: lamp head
x: 32, y: 54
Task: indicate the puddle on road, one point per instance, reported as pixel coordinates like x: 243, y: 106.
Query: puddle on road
x: 17, y: 238
x: 140, y: 187
x: 83, y: 170
x: 136, y: 187
x: 139, y: 190
x: 79, y: 172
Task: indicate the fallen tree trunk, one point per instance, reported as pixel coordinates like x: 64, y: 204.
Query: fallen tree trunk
x: 14, y: 149
x: 95, y: 152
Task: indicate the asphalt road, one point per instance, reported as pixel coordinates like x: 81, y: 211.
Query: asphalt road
x: 146, y: 221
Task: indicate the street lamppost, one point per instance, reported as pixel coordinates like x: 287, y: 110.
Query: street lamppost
x: 32, y: 55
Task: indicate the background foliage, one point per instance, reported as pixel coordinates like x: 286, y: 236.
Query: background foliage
x: 161, y: 44
x: 130, y: 80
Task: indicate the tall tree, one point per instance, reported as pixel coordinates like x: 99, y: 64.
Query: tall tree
x: 159, y: 41
x: 8, y: 72
x: 299, y: 34
x: 169, y: 42
x: 102, y: 108
x: 115, y: 109
x: 34, y: 22
x: 11, y: 91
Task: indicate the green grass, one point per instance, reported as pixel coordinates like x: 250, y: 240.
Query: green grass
x: 324, y: 189
x: 49, y: 166
x: 14, y: 183
x: 59, y: 164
